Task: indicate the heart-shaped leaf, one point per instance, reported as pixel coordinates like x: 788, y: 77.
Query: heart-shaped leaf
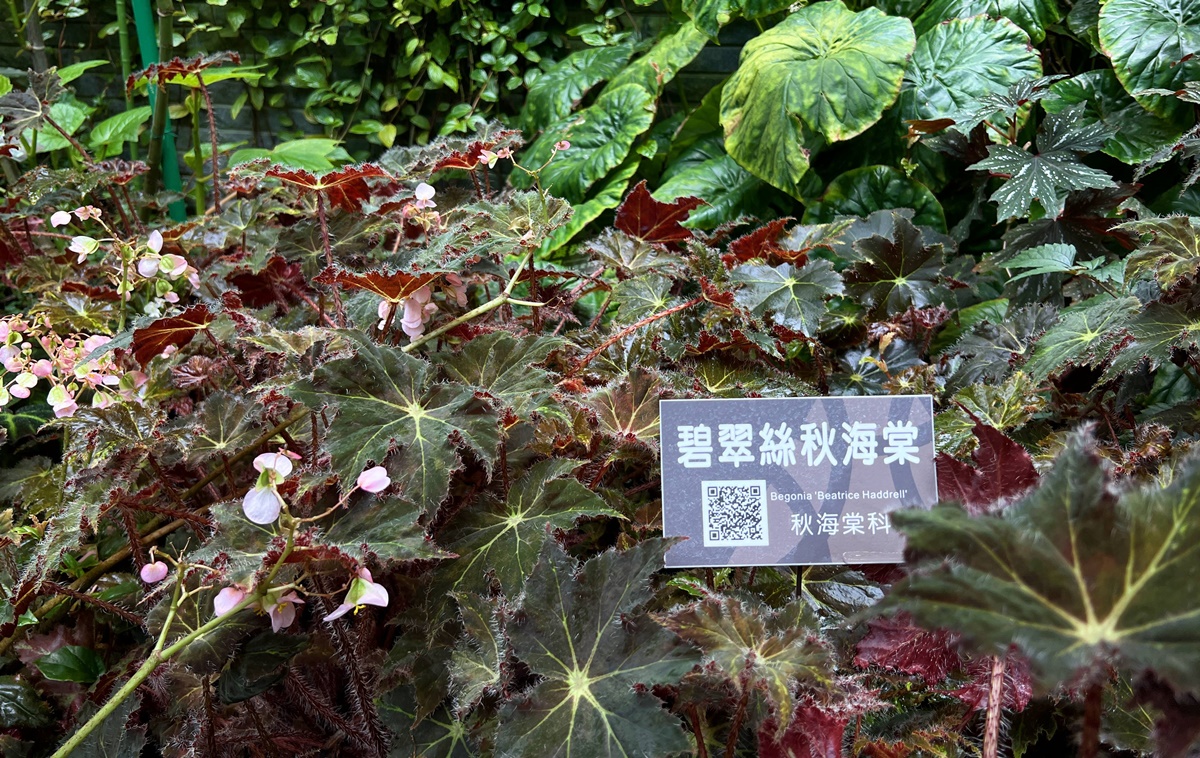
x: 823, y: 70
x: 1152, y: 44
x: 862, y: 191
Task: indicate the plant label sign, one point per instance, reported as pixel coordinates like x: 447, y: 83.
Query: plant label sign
x: 793, y: 481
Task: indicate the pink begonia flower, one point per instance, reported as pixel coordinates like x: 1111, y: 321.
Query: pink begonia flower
x: 61, y: 401
x: 458, y: 287
x: 562, y: 145
x: 281, y: 609
x: 383, y: 309
x: 155, y: 242
x: 94, y: 343
x: 148, y: 266
x: 60, y: 218
x: 171, y: 297
x: 489, y: 158
x: 374, y: 480
x: 227, y: 599
x: 43, y: 368
x: 5, y: 398
x: 173, y: 265
x: 83, y: 245
x: 363, y: 591
x: 424, y: 194
x: 154, y: 572
x: 262, y: 504
x: 83, y: 213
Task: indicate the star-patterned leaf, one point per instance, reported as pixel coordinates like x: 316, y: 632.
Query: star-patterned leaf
x: 581, y: 632
x: 387, y: 400
x: 1084, y: 336
x: 897, y: 272
x: 791, y: 296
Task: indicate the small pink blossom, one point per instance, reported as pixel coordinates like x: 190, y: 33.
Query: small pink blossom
x: 84, y: 245
x: 155, y: 242
x: 42, y: 368
x: 227, y: 599
x: 60, y: 218
x: 374, y: 480
x: 281, y: 609
x: 278, y: 463
x: 363, y: 591
x: 562, y: 145
x: 489, y: 158
x: 94, y: 343
x: 424, y: 194
x: 148, y: 266
x: 62, y: 401
x: 262, y: 505
x: 83, y: 213
x: 154, y: 572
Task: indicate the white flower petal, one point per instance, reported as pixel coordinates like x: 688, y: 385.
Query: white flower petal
x: 262, y: 505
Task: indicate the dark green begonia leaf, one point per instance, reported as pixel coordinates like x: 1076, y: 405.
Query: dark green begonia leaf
x: 1157, y: 330
x: 502, y: 367
x: 1137, y: 133
x: 582, y: 634
x: 791, y: 296
x: 823, y: 70
x: 437, y: 735
x: 386, y: 399
x: 994, y: 346
x: 222, y: 425
x: 20, y: 705
x: 1033, y: 16
x: 754, y: 645
x: 1152, y: 44
x: 1075, y: 576
x: 960, y: 61
x: 113, y: 738
x: 640, y: 297
x: 475, y: 663
x: 1084, y: 336
x: 72, y: 663
x: 502, y: 540
x: 862, y: 191
x: 385, y: 527
x: 896, y: 272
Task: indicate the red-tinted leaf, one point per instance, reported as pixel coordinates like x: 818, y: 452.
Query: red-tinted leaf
x: 1018, y: 684
x: 346, y: 188
x: 463, y: 159
x: 1003, y: 470
x: 392, y: 287
x: 95, y: 293
x: 175, y: 330
x: 644, y: 217
x: 813, y: 733
x: 1177, y: 727
x: 175, y: 68
x: 762, y: 243
x: 895, y: 644
x: 715, y: 295
x: 275, y: 284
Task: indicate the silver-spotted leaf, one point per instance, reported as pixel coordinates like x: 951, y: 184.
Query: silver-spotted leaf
x: 823, y: 70
x: 581, y: 633
x: 386, y: 399
x: 1075, y: 575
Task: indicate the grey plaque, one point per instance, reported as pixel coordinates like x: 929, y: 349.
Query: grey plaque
x: 793, y: 481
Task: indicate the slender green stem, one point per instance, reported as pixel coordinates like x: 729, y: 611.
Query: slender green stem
x: 197, y: 156
x: 33, y: 36
x: 126, y: 57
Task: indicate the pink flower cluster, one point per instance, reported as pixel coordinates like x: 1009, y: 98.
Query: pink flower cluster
x: 64, y: 368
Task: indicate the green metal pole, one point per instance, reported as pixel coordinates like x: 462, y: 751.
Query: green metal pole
x: 148, y: 44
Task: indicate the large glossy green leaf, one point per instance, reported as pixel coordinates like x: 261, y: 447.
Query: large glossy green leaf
x: 1033, y: 16
x: 755, y: 646
x: 601, y: 137
x: 1083, y: 337
x: 1152, y: 44
x: 607, y: 197
x: 503, y: 539
x: 20, y: 705
x: 862, y: 191
x: 386, y: 399
x: 557, y: 91
x: 581, y: 634
x: 960, y: 61
x: 108, y: 137
x: 823, y: 71
x: 791, y: 296
x: 1075, y: 576
x: 661, y: 63
x: 1136, y: 132
x: 729, y: 191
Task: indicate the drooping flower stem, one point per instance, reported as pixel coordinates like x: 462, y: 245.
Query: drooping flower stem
x: 212, y: 136
x: 157, y: 656
x: 995, y: 704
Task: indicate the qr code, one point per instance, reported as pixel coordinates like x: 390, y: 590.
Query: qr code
x: 735, y: 513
